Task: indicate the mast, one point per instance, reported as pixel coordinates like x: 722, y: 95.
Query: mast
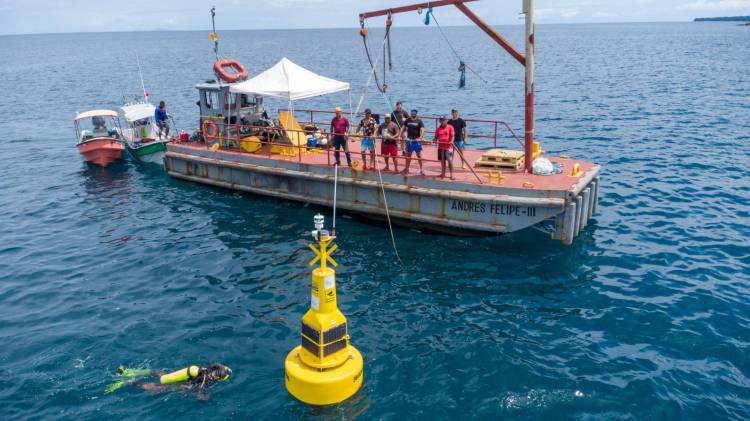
x: 528, y: 9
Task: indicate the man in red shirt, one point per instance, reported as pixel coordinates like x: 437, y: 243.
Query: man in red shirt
x: 340, y: 133
x: 444, y: 136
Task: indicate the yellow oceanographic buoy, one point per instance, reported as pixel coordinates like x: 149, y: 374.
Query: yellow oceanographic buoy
x: 325, y: 369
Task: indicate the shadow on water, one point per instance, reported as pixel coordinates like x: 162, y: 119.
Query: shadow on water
x: 98, y: 179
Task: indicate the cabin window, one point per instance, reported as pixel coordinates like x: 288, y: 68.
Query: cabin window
x: 211, y: 101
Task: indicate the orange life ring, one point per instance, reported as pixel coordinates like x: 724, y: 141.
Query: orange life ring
x: 220, y: 68
x: 214, y: 129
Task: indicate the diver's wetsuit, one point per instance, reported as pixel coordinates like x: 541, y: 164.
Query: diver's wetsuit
x: 190, y: 379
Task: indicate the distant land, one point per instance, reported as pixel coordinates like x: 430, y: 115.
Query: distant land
x: 725, y: 19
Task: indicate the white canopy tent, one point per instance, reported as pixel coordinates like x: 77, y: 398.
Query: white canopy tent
x: 289, y: 81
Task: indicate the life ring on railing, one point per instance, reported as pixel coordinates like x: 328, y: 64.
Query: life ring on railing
x: 220, y: 68
x: 210, y: 124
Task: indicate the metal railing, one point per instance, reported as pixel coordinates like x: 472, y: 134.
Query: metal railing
x: 489, y: 129
x: 266, y: 139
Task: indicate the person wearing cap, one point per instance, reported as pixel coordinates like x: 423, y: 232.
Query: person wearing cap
x: 414, y: 131
x: 340, y: 132
x: 367, y: 127
x: 460, y: 130
x: 444, y: 136
x: 389, y: 133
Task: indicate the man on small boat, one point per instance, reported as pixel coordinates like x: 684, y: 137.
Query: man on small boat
x: 414, y: 132
x: 444, y: 135
x: 460, y: 130
x: 161, y: 119
x: 340, y: 132
x: 389, y: 132
x: 367, y: 127
x: 190, y: 379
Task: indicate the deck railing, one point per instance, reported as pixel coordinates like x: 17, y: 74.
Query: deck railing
x: 477, y: 128
x: 231, y: 137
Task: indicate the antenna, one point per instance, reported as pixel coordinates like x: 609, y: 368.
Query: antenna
x: 140, y: 73
x: 214, y: 38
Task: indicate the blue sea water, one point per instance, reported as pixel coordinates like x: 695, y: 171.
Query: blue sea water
x: 645, y: 316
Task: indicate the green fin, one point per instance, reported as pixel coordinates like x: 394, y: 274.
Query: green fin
x: 114, y: 386
x: 132, y: 373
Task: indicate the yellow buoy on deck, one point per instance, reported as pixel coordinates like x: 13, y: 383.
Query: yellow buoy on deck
x: 325, y: 369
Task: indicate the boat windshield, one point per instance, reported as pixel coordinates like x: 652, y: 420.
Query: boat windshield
x: 98, y: 126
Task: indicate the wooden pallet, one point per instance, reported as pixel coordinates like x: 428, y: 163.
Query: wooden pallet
x: 501, y: 159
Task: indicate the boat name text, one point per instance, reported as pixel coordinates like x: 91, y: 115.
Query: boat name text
x: 493, y: 208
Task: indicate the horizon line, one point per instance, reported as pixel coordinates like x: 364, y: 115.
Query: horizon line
x: 338, y: 27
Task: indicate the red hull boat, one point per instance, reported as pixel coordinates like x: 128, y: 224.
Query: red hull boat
x: 101, y: 151
x: 99, y: 136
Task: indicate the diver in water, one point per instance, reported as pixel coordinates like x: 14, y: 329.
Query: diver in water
x: 190, y: 379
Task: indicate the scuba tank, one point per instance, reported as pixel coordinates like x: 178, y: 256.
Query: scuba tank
x: 187, y: 373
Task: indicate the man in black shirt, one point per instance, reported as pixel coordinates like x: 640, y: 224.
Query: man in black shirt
x: 414, y: 131
x: 399, y: 116
x: 461, y: 133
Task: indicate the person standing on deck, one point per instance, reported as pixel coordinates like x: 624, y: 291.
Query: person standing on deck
x: 414, y: 132
x: 161, y: 118
x: 340, y: 132
x: 460, y: 130
x: 444, y: 136
x: 367, y: 127
x: 389, y: 133
x: 399, y: 116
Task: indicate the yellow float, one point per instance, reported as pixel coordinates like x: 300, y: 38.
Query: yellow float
x: 325, y: 369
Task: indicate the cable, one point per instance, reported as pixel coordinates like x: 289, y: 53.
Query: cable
x: 335, y: 189
x: 429, y: 12
x: 380, y: 176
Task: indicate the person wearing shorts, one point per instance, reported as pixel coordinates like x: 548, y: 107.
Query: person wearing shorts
x: 414, y: 132
x: 444, y: 138
x: 389, y: 133
x: 340, y: 132
x: 367, y: 128
x: 460, y: 131
x: 399, y: 116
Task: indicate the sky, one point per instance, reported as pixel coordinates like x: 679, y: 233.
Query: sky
x: 52, y: 16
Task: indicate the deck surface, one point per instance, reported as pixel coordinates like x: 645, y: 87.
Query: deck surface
x: 512, y: 179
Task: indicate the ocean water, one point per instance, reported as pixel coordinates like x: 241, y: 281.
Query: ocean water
x: 646, y: 316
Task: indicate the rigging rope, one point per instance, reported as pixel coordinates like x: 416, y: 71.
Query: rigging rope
x: 382, y: 87
x: 372, y: 76
x: 462, y: 66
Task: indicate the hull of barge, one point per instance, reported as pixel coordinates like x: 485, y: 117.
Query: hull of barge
x: 461, y: 206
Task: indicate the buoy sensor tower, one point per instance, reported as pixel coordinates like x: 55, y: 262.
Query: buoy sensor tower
x: 325, y: 368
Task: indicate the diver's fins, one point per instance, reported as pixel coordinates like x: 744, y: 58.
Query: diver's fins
x: 132, y: 373
x: 114, y: 386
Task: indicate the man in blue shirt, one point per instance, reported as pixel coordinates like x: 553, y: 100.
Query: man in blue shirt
x: 161, y: 119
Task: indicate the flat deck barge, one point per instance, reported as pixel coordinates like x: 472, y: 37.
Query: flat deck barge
x: 474, y: 202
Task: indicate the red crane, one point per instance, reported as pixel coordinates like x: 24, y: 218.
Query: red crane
x: 526, y: 60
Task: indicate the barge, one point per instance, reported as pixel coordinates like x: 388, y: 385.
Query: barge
x: 241, y: 147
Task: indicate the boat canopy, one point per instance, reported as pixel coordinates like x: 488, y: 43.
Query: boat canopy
x: 96, y: 113
x: 289, y: 81
x: 138, y: 111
